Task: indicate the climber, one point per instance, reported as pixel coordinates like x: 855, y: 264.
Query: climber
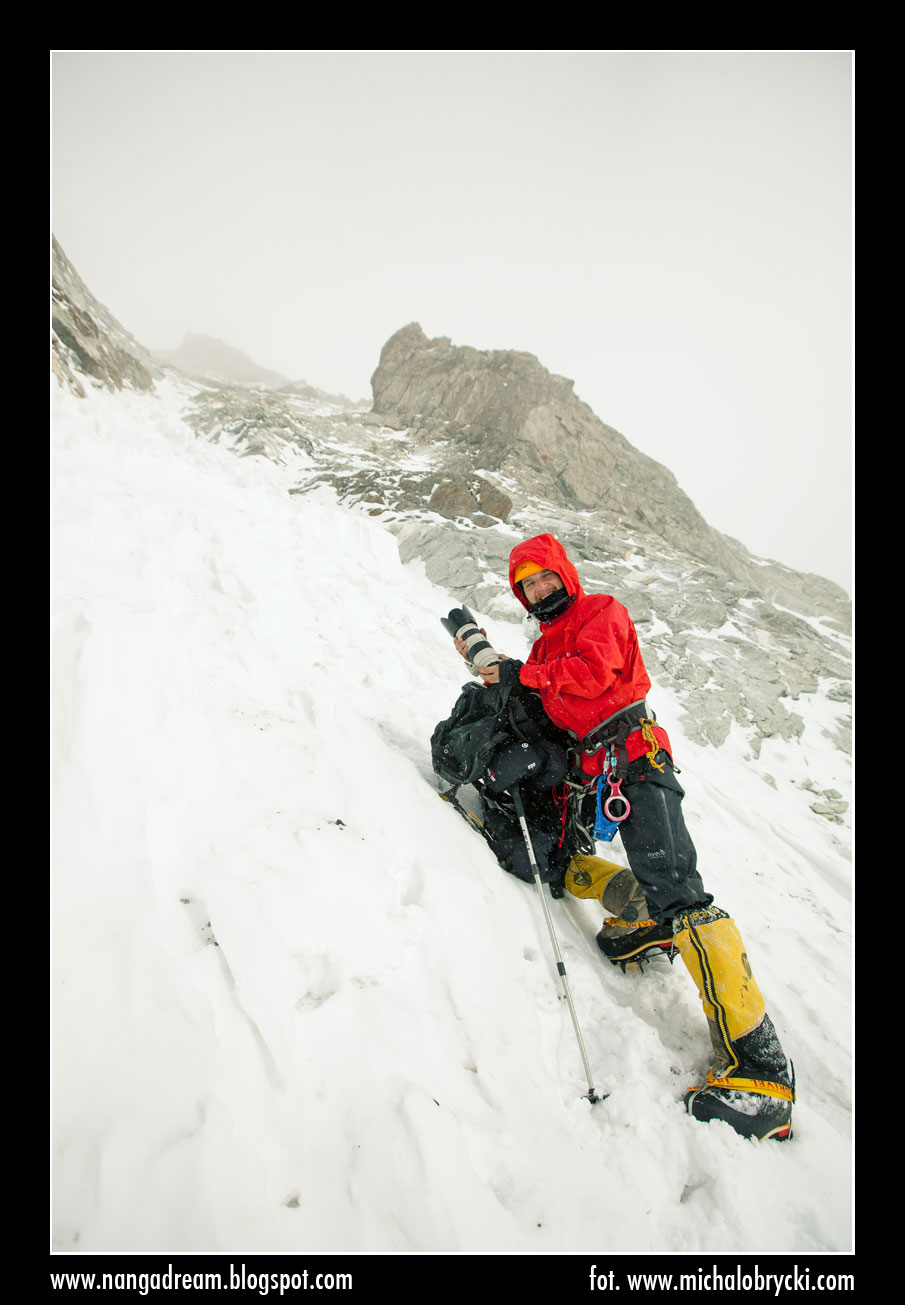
x: 588, y: 671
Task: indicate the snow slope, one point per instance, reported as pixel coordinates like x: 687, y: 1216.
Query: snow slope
x: 296, y: 1005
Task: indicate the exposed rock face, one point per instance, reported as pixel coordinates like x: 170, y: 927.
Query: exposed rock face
x: 419, y: 380
x: 473, y: 498
x: 507, y: 414
x: 88, y: 341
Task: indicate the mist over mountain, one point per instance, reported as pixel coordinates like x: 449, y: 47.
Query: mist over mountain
x: 214, y: 360
x: 200, y: 355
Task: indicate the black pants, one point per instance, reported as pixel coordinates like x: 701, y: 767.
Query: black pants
x: 552, y: 843
x: 660, y: 852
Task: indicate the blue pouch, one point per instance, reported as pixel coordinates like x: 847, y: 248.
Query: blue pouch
x: 604, y: 829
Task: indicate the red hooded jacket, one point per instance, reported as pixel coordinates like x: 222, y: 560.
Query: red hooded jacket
x: 586, y: 665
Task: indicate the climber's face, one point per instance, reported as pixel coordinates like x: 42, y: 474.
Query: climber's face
x: 540, y: 584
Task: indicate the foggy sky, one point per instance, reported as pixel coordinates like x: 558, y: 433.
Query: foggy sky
x: 670, y: 230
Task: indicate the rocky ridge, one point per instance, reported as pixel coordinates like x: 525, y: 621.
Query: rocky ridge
x: 503, y: 411
x: 88, y: 342
x: 455, y: 458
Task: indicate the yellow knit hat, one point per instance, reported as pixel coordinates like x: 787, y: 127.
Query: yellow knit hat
x: 525, y: 569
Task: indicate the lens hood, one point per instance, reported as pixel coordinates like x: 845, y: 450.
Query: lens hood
x: 458, y: 617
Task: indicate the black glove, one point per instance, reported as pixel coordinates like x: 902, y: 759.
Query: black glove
x: 511, y: 763
x: 509, y: 670
x: 553, y: 765
x: 543, y: 764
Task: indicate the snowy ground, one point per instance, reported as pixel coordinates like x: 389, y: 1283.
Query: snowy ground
x: 296, y: 1005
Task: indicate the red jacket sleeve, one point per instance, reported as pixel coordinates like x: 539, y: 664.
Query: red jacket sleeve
x: 605, y: 650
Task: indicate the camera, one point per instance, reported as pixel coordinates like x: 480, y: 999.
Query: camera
x: 460, y: 624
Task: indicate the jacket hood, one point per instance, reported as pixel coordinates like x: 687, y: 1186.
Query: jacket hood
x: 548, y: 553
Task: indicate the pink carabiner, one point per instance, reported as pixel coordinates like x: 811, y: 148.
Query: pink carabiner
x: 616, y: 795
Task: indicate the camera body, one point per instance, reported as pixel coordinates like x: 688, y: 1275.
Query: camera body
x: 461, y: 624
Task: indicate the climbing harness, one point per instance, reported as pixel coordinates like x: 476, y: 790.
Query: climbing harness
x: 617, y: 726
x: 613, y: 807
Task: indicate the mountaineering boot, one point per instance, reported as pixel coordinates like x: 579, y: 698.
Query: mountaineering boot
x: 628, y: 942
x: 625, y: 938
x: 751, y: 1085
x: 630, y: 935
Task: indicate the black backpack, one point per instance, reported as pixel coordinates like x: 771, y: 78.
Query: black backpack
x: 463, y: 745
x: 496, y: 736
x: 499, y: 734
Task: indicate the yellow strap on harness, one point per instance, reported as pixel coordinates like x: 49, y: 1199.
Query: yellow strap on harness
x: 647, y: 733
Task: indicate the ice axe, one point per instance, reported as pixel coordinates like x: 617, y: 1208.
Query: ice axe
x: 591, y: 1094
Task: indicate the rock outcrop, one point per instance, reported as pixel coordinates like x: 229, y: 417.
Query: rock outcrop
x: 88, y: 341
x: 503, y: 412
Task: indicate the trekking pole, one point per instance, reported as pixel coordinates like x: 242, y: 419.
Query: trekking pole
x: 591, y: 1094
